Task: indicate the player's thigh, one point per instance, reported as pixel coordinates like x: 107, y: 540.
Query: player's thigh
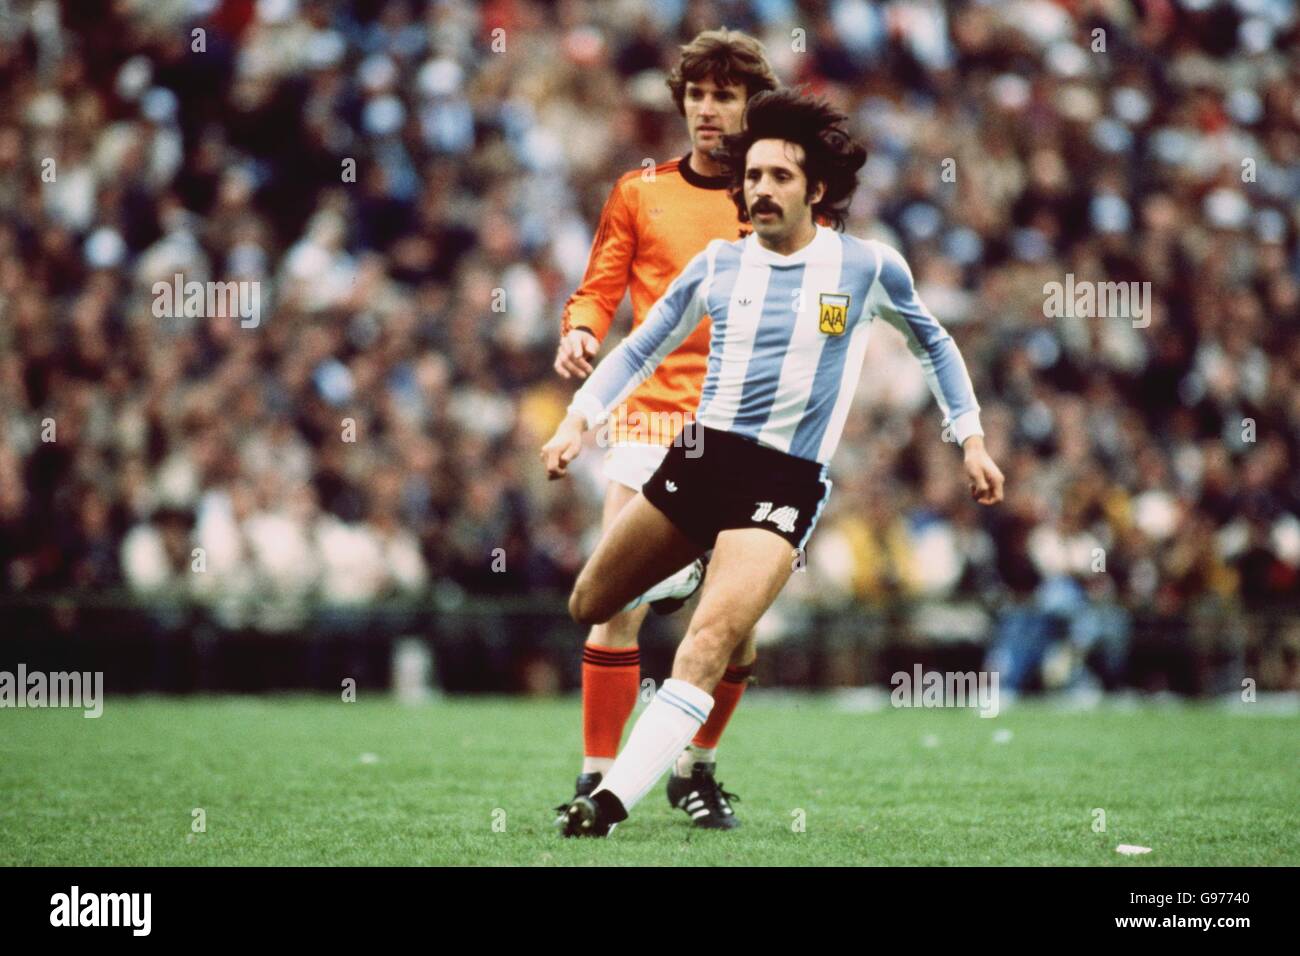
x: 747, y: 571
x: 617, y: 496
x: 627, y: 467
x: 639, y: 550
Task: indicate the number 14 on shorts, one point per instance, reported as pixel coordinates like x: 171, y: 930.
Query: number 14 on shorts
x: 784, y: 518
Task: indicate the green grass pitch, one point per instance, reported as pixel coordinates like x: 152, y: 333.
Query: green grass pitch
x: 316, y: 781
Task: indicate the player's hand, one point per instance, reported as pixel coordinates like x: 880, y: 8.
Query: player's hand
x: 982, y: 472
x: 571, y: 358
x: 563, y: 446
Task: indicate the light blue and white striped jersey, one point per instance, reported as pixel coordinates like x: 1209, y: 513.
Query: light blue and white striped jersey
x: 789, y: 335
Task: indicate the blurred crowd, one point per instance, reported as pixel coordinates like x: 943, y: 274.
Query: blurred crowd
x: 414, y: 184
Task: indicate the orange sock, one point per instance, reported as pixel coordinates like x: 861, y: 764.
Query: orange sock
x: 610, y: 678
x: 725, y: 698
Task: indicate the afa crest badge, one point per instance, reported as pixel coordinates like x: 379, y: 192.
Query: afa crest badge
x: 833, y: 312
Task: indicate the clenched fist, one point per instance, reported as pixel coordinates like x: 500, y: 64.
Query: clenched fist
x: 982, y: 473
x: 576, y: 348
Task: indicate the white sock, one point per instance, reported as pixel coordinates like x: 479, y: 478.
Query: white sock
x: 692, y: 755
x: 598, y: 765
x: 675, y: 585
x: 663, y: 729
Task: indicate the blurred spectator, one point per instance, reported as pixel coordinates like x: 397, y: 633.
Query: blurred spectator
x: 414, y: 184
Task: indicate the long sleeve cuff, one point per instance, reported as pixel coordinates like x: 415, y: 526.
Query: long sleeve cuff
x: 589, y: 407
x: 584, y: 319
x: 963, y: 426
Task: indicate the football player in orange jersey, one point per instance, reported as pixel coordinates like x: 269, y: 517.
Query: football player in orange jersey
x: 651, y: 226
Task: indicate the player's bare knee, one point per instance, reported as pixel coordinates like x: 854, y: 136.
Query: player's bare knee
x: 717, y: 632
x: 584, y: 606
x: 703, y: 655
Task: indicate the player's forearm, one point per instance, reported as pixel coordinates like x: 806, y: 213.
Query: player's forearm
x: 951, y: 385
x: 941, y: 360
x: 613, y: 380
x: 670, y: 321
x: 666, y: 326
x: 609, y: 270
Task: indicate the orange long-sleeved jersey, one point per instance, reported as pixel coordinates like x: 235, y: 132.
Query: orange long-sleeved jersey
x: 649, y: 230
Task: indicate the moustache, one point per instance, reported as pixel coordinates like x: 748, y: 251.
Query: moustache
x: 763, y: 206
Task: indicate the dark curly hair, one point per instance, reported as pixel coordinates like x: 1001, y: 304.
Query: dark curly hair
x: 830, y: 155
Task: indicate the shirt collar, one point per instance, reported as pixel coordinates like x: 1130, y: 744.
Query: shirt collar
x: 755, y: 252
x: 699, y: 180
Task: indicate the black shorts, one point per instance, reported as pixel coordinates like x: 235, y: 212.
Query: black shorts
x: 726, y: 481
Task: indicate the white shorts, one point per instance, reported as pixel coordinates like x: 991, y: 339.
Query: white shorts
x: 632, y: 465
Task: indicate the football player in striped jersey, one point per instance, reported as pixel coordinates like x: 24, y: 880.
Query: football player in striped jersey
x: 653, y: 223
x: 791, y: 306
